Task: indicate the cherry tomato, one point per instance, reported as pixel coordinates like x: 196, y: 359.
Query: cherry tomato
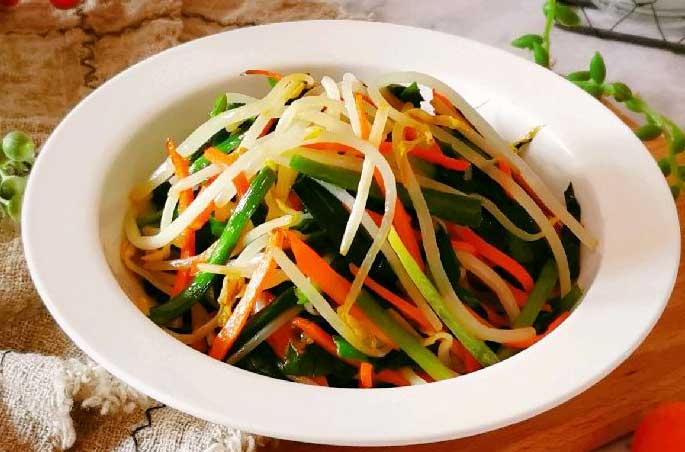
x: 9, y: 3
x: 65, y: 4
x: 662, y: 429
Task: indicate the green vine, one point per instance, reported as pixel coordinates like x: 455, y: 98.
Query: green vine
x: 593, y: 81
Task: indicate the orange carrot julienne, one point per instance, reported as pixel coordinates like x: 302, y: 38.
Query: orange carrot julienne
x: 220, y: 158
x: 494, y: 318
x: 402, y: 305
x: 519, y: 295
x: 385, y: 147
x: 229, y: 333
x: 294, y: 201
x: 402, y: 222
x: 320, y: 380
x: 494, y: 255
x: 241, y: 183
x: 410, y: 133
x: 470, y: 363
x: 460, y: 245
x: 268, y: 127
x: 316, y: 334
x: 375, y: 216
x: 433, y: 154
x: 445, y: 102
x: 391, y: 376
x: 365, y: 375
x: 329, y: 281
x: 280, y: 339
x: 270, y: 74
x: 365, y: 126
x: 535, y: 339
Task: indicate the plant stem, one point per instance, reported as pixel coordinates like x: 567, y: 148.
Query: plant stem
x: 551, y: 10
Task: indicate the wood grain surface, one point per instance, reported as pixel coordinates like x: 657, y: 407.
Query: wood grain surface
x: 608, y: 410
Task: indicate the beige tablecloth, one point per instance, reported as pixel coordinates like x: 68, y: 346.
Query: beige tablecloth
x: 52, y: 397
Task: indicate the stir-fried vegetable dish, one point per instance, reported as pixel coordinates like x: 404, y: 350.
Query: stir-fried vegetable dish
x: 353, y: 235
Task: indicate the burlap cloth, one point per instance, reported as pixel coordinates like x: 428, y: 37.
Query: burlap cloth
x: 52, y: 397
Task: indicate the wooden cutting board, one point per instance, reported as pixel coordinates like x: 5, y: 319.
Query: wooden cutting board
x: 609, y: 410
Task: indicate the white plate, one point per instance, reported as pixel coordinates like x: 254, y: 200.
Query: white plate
x: 77, y: 193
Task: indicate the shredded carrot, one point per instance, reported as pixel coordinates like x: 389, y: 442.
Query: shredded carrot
x: 391, y: 376
x: 470, y: 363
x: 241, y: 183
x: 203, y: 218
x: 329, y: 281
x: 336, y: 147
x: 280, y: 339
x: 229, y: 333
x: 446, y: 104
x: 460, y: 245
x: 182, y: 169
x: 494, y: 255
x: 365, y: 125
x: 433, y: 154
x: 519, y: 295
x: 404, y: 306
x: 410, y: 133
x: 320, y: 380
x: 535, y: 339
x: 269, y: 125
x: 294, y: 201
x: 270, y: 74
x: 375, y: 216
x: 365, y: 375
x: 220, y: 158
x: 402, y: 222
x: 503, y: 166
x: 385, y: 147
x: 317, y: 334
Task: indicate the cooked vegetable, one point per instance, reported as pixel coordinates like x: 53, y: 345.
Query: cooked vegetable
x: 343, y: 236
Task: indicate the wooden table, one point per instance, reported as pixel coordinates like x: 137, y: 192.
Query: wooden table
x: 608, y: 410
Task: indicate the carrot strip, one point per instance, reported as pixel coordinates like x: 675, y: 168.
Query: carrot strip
x: 365, y: 375
x: 433, y: 154
x: 445, y: 102
x: 391, y: 376
x: 410, y: 133
x: 203, y: 218
x: 229, y: 333
x: 294, y: 201
x: 470, y: 363
x: 519, y: 295
x: 270, y: 74
x: 402, y: 222
x: 503, y: 166
x: 460, y: 245
x: 494, y: 318
x: 241, y: 183
x: 404, y: 306
x: 268, y: 127
x: 385, y: 147
x: 220, y: 158
x: 494, y: 255
x: 329, y: 281
x: 317, y: 334
x: 364, y: 124
x: 280, y: 339
x: 535, y: 339
x: 182, y: 169
x: 376, y: 217
x: 320, y: 380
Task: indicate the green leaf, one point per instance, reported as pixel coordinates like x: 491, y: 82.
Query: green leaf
x: 18, y: 146
x: 598, y: 70
x: 314, y: 361
x: 346, y: 350
x: 566, y: 16
x: 620, y: 91
x: 14, y: 208
x: 648, y: 132
x: 540, y: 55
x: 665, y: 166
x: 220, y: 105
x: 12, y: 186
x: 216, y: 227
x: 526, y: 41
x: 591, y: 88
x: 635, y: 105
x: 262, y: 360
x: 677, y: 140
x: 272, y: 81
x: 579, y: 76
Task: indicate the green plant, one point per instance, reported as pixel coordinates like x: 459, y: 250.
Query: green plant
x: 593, y: 81
x: 17, y: 154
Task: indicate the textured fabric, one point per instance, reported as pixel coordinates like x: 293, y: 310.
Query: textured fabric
x: 52, y: 397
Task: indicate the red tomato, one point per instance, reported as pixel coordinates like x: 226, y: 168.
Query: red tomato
x: 9, y: 3
x: 662, y: 430
x: 65, y: 4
